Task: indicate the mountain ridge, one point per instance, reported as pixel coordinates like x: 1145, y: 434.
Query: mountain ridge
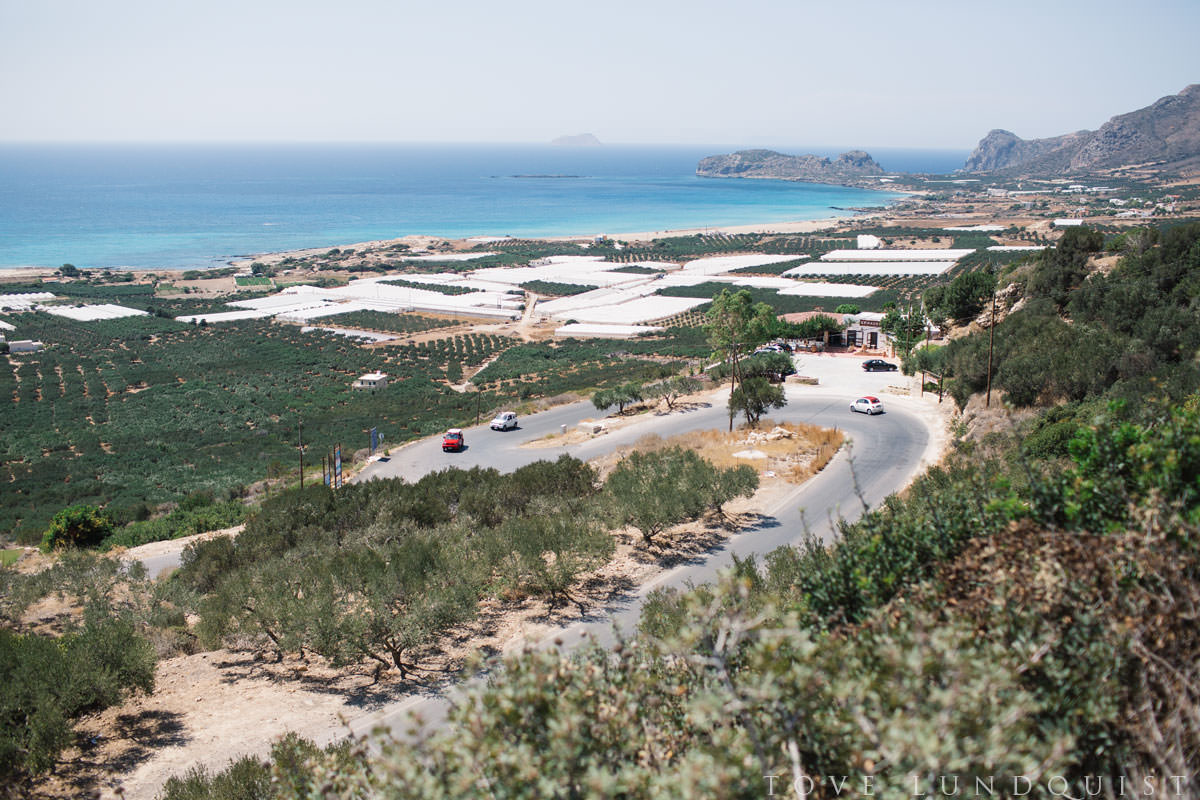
x: 1165, y: 133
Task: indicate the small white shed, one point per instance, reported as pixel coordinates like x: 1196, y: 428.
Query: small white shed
x: 372, y: 380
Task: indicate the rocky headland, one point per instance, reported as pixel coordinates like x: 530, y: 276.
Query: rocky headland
x: 846, y: 168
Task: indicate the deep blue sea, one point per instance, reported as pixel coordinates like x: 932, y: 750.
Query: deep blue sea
x: 185, y: 206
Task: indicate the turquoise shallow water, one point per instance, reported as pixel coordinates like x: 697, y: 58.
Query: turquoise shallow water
x: 173, y: 206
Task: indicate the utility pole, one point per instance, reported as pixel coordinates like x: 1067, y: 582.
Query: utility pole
x: 928, y: 332
x: 987, y: 403
x: 300, y: 443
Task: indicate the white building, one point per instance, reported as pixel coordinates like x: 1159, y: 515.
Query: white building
x: 372, y: 380
x: 24, y: 346
x: 868, y: 242
x: 863, y: 330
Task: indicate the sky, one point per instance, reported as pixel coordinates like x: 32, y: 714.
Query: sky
x: 739, y: 72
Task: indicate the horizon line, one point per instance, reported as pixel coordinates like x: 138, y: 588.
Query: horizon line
x: 456, y: 142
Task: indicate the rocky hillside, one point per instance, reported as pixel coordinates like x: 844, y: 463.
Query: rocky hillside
x: 1166, y: 133
x: 770, y: 164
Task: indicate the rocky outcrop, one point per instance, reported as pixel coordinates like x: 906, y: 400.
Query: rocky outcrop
x: 770, y: 164
x: 1166, y: 133
x: 1001, y: 150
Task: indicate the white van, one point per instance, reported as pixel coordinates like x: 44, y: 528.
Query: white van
x: 505, y: 420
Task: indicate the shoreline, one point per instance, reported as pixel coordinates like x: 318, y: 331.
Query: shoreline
x: 14, y: 274
x: 464, y: 242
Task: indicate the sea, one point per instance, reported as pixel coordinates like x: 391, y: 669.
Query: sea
x: 190, y: 206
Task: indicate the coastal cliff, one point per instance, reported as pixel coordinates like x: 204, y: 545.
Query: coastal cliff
x: 770, y: 164
x: 1166, y: 133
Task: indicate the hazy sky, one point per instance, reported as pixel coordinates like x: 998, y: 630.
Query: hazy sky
x: 744, y: 72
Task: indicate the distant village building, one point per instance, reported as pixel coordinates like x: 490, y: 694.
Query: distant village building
x: 372, y: 380
x: 863, y: 330
x: 24, y: 346
x: 1067, y: 223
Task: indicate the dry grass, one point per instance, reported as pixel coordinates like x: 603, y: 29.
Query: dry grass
x: 792, y: 450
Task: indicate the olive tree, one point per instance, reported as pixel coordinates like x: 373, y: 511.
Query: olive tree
x: 754, y: 397
x: 653, y: 491
x: 672, y: 389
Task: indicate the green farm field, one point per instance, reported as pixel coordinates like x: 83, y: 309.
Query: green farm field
x: 148, y: 410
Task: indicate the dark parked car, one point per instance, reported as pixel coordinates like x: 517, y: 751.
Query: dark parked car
x: 878, y: 365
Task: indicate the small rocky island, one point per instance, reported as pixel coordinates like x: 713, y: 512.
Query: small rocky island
x: 576, y: 140
x: 847, y: 167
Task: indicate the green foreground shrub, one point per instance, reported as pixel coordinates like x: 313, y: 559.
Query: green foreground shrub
x: 49, y: 683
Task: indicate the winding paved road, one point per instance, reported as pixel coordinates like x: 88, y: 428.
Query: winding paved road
x: 885, y: 453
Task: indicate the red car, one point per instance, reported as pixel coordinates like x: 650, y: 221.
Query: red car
x: 453, y: 441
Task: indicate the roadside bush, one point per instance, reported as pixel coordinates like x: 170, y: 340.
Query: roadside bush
x: 177, y: 524
x: 76, y: 526
x: 248, y: 778
x: 772, y: 366
x: 636, y: 487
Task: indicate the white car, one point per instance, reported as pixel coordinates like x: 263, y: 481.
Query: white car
x: 505, y: 420
x: 867, y: 405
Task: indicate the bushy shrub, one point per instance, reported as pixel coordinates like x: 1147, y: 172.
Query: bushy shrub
x: 696, y: 486
x: 49, y: 683
x: 76, y: 526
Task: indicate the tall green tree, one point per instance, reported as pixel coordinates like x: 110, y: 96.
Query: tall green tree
x: 736, y: 325
x: 906, y: 328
